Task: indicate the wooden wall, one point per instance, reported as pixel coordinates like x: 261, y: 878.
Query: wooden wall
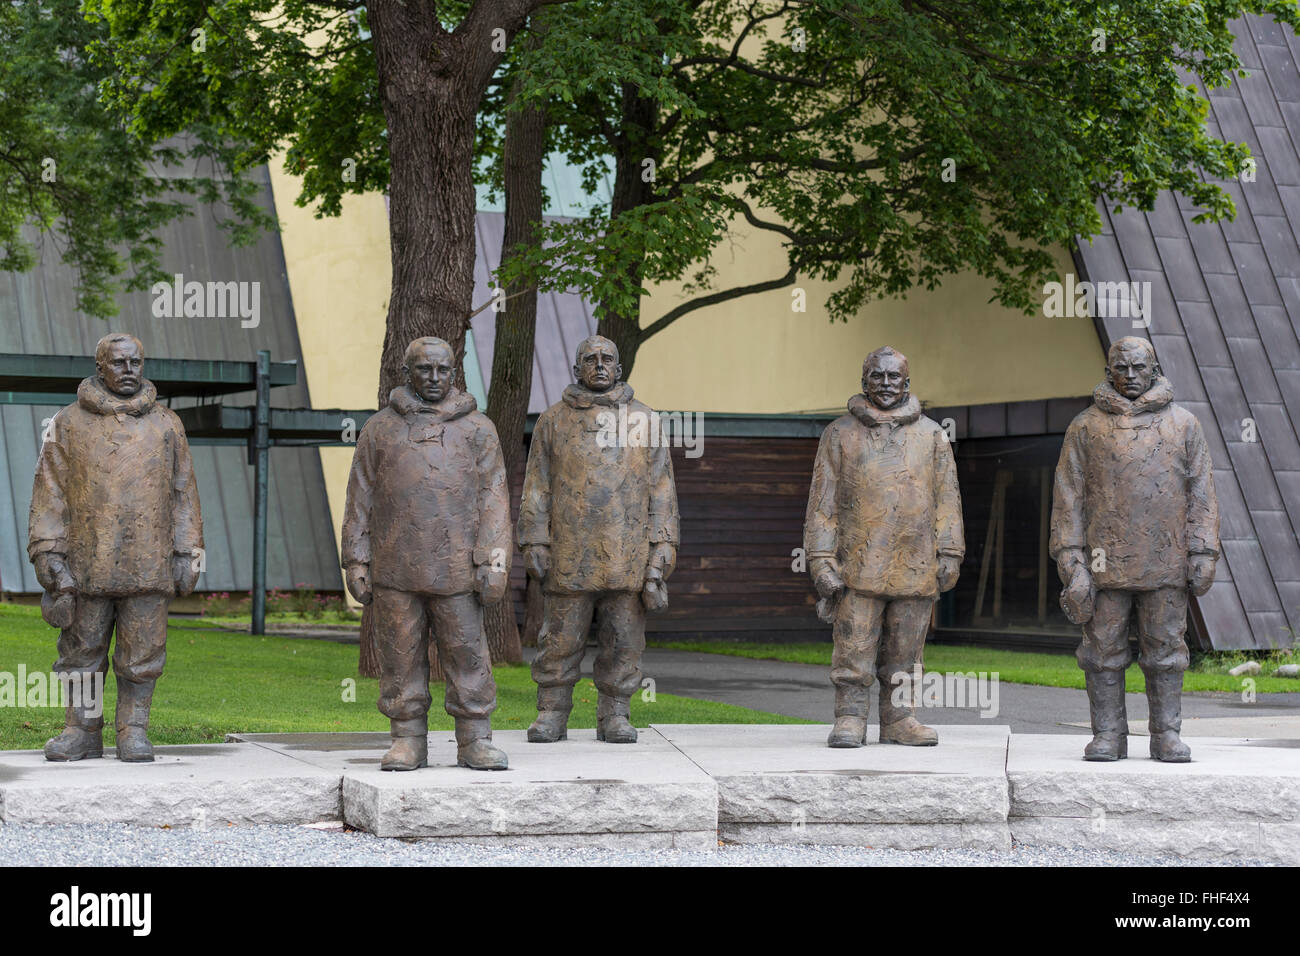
x: 742, y: 507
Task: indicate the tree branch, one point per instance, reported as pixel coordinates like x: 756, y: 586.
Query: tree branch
x: 704, y: 301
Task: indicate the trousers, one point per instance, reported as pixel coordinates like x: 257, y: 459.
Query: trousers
x: 620, y: 633
x: 140, y: 621
x: 402, y: 626
x: 875, y: 639
x: 1162, y: 626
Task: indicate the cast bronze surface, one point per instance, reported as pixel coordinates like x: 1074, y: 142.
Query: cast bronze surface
x: 426, y: 539
x: 598, y: 525
x: 883, y: 535
x: 114, y: 532
x: 1135, y: 526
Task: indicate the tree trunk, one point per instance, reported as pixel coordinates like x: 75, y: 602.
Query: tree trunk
x: 430, y: 83
x: 516, y: 327
x: 633, y: 187
x: 429, y: 108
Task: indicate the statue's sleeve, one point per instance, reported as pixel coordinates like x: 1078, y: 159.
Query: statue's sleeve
x: 535, y: 504
x: 494, y: 502
x: 948, y: 532
x: 356, y: 511
x: 47, y: 522
x: 1069, y: 529
x: 664, y: 520
x: 821, y: 521
x: 187, y: 520
x: 1202, y: 504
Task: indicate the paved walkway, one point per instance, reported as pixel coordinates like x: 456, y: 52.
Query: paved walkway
x: 804, y: 690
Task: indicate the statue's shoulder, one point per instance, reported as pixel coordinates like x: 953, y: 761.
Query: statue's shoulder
x: 1183, y: 416
x: 553, y: 414
x: 840, y: 425
x: 380, y: 422
x: 927, y: 425
x: 479, y: 422
x: 1090, y: 416
x: 168, y: 417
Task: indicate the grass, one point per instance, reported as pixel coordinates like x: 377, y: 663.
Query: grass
x: 221, y: 682
x: 1208, y: 673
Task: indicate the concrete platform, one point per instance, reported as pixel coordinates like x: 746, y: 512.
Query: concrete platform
x: 576, y: 792
x: 782, y: 784
x: 691, y: 785
x: 194, y: 785
x: 1238, y: 797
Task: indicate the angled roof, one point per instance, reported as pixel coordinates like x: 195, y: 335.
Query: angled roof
x: 37, y: 316
x: 563, y: 320
x: 1225, y: 323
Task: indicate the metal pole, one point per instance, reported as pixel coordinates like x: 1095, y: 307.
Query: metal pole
x: 259, y: 451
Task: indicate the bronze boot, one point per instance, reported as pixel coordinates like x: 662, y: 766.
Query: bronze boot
x: 133, y: 700
x: 613, y: 720
x: 552, y: 723
x: 1109, y: 720
x: 898, y: 725
x: 82, y: 737
x: 410, y: 747
x: 1165, y: 706
x: 474, y: 746
x: 850, y: 728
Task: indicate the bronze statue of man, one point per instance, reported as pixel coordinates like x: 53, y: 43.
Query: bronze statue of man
x: 426, y: 539
x: 114, y: 533
x: 599, y: 529
x: 1135, y: 526
x: 883, y: 535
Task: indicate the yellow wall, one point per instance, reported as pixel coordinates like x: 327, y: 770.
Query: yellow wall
x: 749, y: 355
x: 756, y: 355
x: 339, y: 276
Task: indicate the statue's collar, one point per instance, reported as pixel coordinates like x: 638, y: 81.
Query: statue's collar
x: 94, y: 397
x: 906, y: 413
x: 456, y: 404
x: 1160, y: 394
x: 579, y: 396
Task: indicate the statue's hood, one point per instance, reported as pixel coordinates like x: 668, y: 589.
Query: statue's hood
x: 456, y: 404
x: 579, y: 396
x: 861, y: 408
x: 94, y: 397
x: 1160, y: 394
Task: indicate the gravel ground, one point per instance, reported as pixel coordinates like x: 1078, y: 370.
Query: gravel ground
x: 121, y: 845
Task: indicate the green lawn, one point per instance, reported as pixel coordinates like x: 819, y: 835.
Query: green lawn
x: 1017, y: 667
x: 222, y: 682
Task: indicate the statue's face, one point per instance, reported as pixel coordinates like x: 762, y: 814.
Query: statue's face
x: 430, y: 371
x: 1131, y: 372
x: 886, y: 381
x: 598, y: 368
x: 122, y: 371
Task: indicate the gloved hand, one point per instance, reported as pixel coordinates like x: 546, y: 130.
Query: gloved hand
x: 490, y: 585
x: 663, y: 556
x: 1200, y: 573
x: 654, y: 593
x: 537, y: 561
x: 184, y: 574
x: 949, y: 569
x: 1077, y: 599
x: 53, y: 574
x: 826, y: 578
x: 358, y: 581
